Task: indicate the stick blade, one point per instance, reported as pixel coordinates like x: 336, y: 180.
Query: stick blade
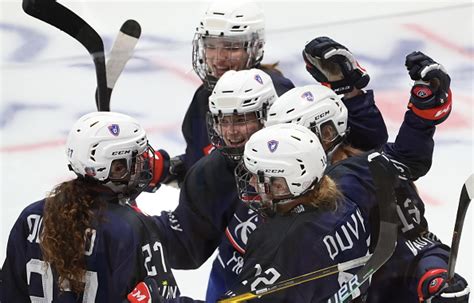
x: 469, y: 187
x: 121, y: 52
x: 131, y: 28
x: 467, y: 193
x: 64, y: 19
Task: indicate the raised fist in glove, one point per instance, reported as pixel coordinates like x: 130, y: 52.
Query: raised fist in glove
x: 433, y: 288
x: 333, y: 65
x: 430, y: 95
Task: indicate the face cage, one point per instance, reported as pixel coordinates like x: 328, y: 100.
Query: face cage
x: 331, y: 143
x: 260, y: 199
x: 140, y: 170
x: 214, y: 131
x: 201, y: 67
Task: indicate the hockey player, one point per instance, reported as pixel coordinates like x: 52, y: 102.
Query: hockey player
x: 416, y: 271
x: 84, y: 243
x: 307, y: 218
x: 230, y: 36
x: 210, y: 214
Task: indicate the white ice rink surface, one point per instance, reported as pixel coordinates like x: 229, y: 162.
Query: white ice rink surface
x: 48, y: 81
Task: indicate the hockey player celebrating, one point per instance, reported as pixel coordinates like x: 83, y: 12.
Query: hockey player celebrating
x: 230, y: 36
x: 415, y: 272
x: 210, y: 214
x: 84, y: 243
x: 307, y: 217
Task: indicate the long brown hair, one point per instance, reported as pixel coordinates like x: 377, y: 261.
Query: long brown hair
x: 68, y: 213
x: 325, y: 196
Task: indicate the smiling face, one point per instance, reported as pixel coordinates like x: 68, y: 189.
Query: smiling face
x: 223, y: 54
x: 236, y: 129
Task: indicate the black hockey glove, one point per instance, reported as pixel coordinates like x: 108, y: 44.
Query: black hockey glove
x: 333, y: 65
x: 433, y: 288
x: 146, y: 291
x: 430, y: 95
x: 176, y: 172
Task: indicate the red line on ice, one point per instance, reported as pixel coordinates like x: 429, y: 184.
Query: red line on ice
x: 439, y: 40
x: 60, y: 142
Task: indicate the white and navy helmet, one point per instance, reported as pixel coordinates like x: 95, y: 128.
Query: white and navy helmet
x: 312, y: 106
x: 238, y: 24
x: 288, y: 152
x: 99, y: 139
x: 239, y: 93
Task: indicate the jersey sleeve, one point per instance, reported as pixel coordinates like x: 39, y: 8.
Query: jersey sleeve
x: 413, y: 146
x: 367, y: 127
x: 207, y: 202
x: 194, y: 128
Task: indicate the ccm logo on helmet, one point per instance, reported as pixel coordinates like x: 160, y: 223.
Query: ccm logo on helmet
x: 274, y: 171
x: 321, y: 115
x: 121, y: 152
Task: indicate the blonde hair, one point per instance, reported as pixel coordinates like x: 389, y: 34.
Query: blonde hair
x: 325, y: 196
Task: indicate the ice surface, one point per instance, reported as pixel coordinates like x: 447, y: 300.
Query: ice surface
x: 47, y: 82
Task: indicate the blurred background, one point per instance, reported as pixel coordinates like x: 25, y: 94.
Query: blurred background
x: 47, y: 81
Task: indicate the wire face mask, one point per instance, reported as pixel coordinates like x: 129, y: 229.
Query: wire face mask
x: 130, y: 176
x: 214, y: 55
x: 328, y: 134
x: 261, y: 193
x: 230, y: 132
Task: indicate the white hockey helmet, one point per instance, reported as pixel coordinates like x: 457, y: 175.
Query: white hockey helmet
x: 239, y: 93
x: 313, y: 106
x: 237, y: 24
x: 99, y: 139
x: 288, y: 152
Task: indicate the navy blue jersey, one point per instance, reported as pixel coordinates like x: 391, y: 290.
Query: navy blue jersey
x: 397, y: 280
x: 207, y: 202
x: 366, y: 126
x: 121, y: 254
x: 290, y: 245
x: 417, y: 249
x: 194, y: 125
x: 210, y: 214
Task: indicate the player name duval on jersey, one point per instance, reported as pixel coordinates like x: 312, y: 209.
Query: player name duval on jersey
x: 343, y: 237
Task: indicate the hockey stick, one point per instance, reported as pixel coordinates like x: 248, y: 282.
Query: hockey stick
x: 384, y: 175
x: 317, y: 274
x: 64, y: 19
x: 467, y: 193
x: 121, y: 52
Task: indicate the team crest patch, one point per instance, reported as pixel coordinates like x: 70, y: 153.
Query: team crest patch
x: 114, y: 129
x: 272, y: 145
x: 259, y: 79
x: 308, y: 96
